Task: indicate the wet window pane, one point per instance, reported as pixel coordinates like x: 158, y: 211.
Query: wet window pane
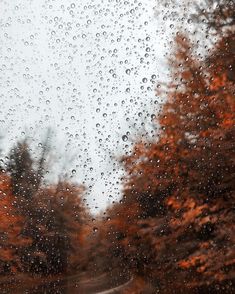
x: 117, y: 146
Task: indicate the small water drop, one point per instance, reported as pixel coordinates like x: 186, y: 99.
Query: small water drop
x: 124, y: 138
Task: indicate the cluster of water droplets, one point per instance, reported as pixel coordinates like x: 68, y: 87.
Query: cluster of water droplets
x: 88, y: 71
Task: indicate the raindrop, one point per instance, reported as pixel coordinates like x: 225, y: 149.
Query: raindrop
x: 144, y: 80
x: 124, y: 138
x: 95, y: 230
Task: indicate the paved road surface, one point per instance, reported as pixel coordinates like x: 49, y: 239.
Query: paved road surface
x: 77, y: 284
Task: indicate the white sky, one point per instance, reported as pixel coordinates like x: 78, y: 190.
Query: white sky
x: 83, y: 68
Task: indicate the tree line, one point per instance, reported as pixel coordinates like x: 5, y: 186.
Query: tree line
x: 40, y: 224
x: 174, y: 226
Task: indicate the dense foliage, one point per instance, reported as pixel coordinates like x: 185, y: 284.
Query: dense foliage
x: 40, y: 224
x: 175, y: 223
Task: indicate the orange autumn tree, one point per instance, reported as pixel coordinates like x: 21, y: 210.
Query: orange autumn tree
x: 53, y: 215
x: 199, y: 111
x: 11, y: 226
x: 198, y: 119
x: 183, y: 181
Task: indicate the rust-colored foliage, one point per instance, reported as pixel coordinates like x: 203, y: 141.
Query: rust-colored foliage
x: 11, y: 224
x: 179, y: 191
x: 41, y: 225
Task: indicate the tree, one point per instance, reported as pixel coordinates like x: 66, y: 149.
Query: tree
x: 218, y: 15
x: 12, y: 241
x: 24, y: 179
x: 53, y: 214
x: 182, y: 184
x: 66, y: 216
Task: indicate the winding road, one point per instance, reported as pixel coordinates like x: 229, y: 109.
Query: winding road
x: 77, y: 284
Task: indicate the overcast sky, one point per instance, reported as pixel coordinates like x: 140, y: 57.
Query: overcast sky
x: 86, y: 69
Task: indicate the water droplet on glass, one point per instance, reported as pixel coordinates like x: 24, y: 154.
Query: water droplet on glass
x: 95, y: 230
x: 124, y: 138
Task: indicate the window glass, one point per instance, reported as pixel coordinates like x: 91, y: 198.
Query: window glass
x: 117, y: 146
